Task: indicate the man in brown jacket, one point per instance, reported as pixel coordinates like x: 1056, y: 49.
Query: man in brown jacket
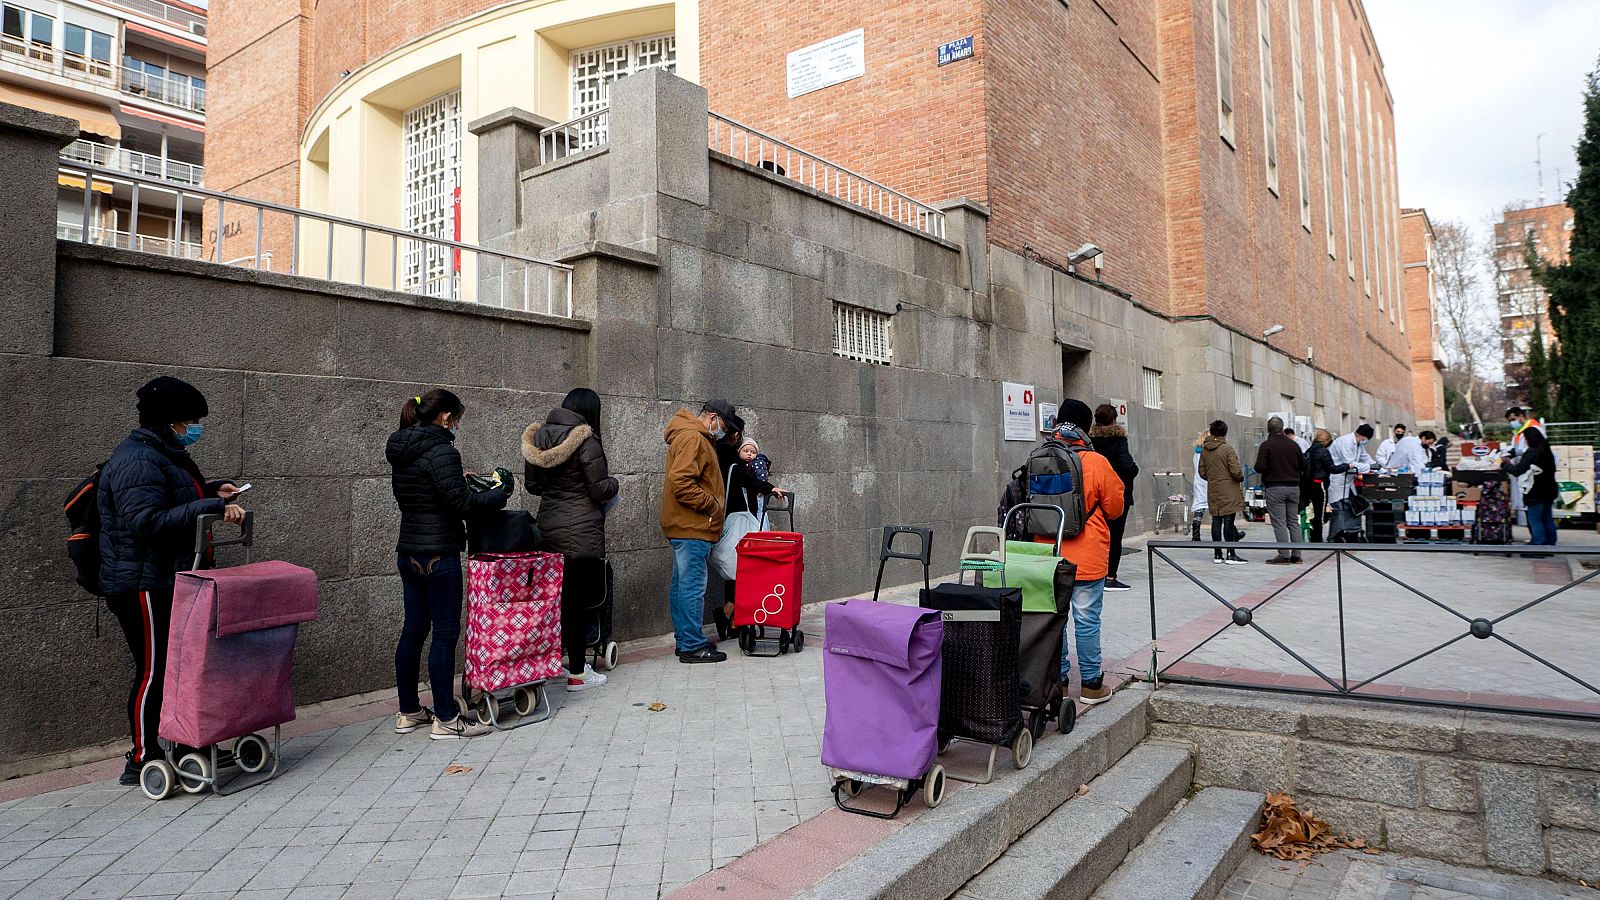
x: 1219, y: 466
x: 691, y: 518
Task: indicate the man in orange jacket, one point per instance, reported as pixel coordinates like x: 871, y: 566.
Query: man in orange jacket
x: 1088, y: 550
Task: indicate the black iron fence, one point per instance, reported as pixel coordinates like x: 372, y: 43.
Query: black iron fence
x: 1389, y: 563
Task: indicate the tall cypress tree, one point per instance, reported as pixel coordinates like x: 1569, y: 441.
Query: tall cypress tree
x: 1574, y: 288
x: 1539, y: 367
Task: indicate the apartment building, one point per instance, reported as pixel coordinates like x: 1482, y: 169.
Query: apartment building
x: 133, y: 74
x: 1420, y: 292
x: 1233, y: 159
x: 1523, y: 303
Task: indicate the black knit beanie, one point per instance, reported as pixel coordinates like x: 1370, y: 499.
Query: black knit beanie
x: 165, y: 400
x: 1075, y: 412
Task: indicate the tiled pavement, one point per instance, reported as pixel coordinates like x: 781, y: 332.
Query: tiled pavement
x: 1348, y: 875
x: 608, y: 798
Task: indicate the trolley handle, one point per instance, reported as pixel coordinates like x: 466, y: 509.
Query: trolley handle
x: 204, y: 539
x: 1061, y: 521
x: 785, y: 506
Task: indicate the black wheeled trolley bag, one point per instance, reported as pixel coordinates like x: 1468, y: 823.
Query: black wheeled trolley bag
x: 980, y: 691
x: 1046, y: 581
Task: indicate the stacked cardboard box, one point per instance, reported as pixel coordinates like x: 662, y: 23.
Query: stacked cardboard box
x: 1575, y: 478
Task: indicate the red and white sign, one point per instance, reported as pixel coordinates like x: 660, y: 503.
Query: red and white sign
x: 1017, y: 411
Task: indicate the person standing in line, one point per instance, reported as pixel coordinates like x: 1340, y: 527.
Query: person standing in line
x: 1281, y: 466
x: 1111, y: 441
x: 431, y: 490
x: 691, y: 520
x: 150, y: 494
x: 567, y: 468
x: 1320, y: 470
x: 1102, y: 502
x: 1539, y: 499
x: 1220, y: 467
x: 1198, y: 506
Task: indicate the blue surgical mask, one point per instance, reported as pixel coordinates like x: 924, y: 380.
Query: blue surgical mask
x: 719, y: 434
x: 455, y: 430
x: 191, y: 435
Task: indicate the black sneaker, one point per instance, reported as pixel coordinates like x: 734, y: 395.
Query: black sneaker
x: 1113, y: 584
x: 130, y: 771
x: 707, y: 654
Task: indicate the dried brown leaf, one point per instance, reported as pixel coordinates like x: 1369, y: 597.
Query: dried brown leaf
x: 657, y: 706
x: 456, y: 770
x: 1083, y: 789
x: 1291, y: 834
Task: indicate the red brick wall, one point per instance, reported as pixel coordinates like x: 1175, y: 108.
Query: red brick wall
x: 256, y: 100
x: 908, y: 122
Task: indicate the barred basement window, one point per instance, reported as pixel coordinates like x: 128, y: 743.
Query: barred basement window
x: 595, y: 68
x: 862, y: 335
x: 1152, y: 389
x: 432, y: 141
x: 1241, y: 399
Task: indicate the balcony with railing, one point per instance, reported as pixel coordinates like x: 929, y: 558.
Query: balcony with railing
x: 135, y: 162
x: 50, y: 60
x: 177, y: 17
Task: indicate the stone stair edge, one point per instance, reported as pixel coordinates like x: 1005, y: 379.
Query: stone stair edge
x: 1192, y: 853
x: 942, y: 849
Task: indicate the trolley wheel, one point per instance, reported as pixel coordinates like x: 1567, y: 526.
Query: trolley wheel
x: 799, y: 640
x: 850, y: 786
x: 1067, y: 715
x: 608, y: 658
x: 1038, y: 720
x: 944, y: 743
x: 1022, y: 748
x: 747, y: 639
x: 194, y: 772
x: 933, y: 786
x: 251, y: 753
x: 783, y: 642
x: 156, y: 779
x: 485, y: 708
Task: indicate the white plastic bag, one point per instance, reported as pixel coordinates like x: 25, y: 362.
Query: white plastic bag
x: 725, y: 555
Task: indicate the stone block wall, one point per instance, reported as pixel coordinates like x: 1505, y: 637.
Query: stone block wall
x: 1516, y: 793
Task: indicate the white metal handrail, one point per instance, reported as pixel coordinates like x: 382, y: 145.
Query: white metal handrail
x: 780, y: 157
x: 584, y: 132
x: 190, y: 22
x: 125, y: 160
x: 145, y: 243
x: 57, y: 61
x: 331, y: 248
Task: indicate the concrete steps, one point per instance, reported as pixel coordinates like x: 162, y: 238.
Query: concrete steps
x: 1194, y: 851
x: 1075, y: 848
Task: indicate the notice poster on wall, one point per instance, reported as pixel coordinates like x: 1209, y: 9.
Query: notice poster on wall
x: 1017, y: 410
x: 1047, y: 417
x: 827, y: 63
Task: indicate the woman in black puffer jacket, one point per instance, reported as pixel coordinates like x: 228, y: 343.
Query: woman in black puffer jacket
x: 567, y: 469
x: 434, y: 501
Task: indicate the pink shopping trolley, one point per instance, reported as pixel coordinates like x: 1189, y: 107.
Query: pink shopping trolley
x: 513, y: 636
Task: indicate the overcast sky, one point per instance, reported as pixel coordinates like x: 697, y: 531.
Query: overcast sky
x: 1474, y: 81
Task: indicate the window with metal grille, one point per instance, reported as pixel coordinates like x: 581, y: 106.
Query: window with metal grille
x: 1269, y: 94
x: 862, y: 334
x: 1224, y: 40
x: 1241, y: 399
x: 1152, y: 389
x: 432, y: 140
x: 595, y: 68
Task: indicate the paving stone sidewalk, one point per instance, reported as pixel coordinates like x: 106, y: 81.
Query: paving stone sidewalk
x: 1348, y: 875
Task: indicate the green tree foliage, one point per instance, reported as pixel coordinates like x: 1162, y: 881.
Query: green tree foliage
x: 1574, y: 288
x: 1539, y: 365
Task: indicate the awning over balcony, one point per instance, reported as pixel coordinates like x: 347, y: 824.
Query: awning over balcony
x: 91, y: 118
x: 153, y: 34
x: 163, y: 119
x: 76, y: 181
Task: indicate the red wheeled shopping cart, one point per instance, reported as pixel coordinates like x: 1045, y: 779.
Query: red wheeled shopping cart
x: 766, y: 594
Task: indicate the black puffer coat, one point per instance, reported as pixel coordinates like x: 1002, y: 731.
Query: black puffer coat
x: 432, y: 491
x: 1111, y: 441
x: 567, y: 469
x: 150, y: 494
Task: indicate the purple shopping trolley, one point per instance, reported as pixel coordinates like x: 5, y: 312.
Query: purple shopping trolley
x: 881, y: 674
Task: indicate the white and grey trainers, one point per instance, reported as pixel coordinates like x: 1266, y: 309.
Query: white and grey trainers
x: 589, y: 679
x: 458, y: 729
x: 405, y: 723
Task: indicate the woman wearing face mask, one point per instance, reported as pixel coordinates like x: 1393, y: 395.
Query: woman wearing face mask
x: 150, y: 494
x: 434, y: 500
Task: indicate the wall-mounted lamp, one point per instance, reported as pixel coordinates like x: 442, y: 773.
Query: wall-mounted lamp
x: 1272, y: 331
x: 1083, y: 254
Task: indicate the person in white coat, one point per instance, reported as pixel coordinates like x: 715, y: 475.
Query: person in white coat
x: 1409, y: 456
x: 1386, y: 449
x: 1349, y: 450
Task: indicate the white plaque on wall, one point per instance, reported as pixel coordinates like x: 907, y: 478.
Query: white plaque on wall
x: 827, y: 63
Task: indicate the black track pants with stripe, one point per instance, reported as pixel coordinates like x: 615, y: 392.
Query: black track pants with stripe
x: 145, y: 618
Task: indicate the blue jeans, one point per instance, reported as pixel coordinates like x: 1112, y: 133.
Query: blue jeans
x: 432, y: 589
x: 1542, y: 524
x: 1087, y: 597
x: 687, y: 596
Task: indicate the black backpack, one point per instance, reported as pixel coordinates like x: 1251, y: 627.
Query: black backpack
x: 1053, y: 476
x: 83, y: 544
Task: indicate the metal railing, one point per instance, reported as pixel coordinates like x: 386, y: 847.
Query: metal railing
x: 184, y: 19
x: 125, y: 160
x: 57, y: 61
x: 144, y: 243
x: 575, y: 136
x: 764, y: 151
x: 1323, y: 680
x: 326, y: 247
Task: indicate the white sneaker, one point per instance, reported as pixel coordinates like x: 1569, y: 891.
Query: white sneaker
x: 589, y: 679
x: 405, y: 723
x: 458, y: 729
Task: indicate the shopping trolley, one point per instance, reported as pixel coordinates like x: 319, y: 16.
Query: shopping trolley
x: 1172, y: 500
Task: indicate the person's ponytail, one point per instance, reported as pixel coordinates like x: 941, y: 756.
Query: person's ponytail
x: 425, y: 408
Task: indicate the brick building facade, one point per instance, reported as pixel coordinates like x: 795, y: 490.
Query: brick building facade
x: 1216, y: 185
x: 1523, y: 302
x: 1420, y: 292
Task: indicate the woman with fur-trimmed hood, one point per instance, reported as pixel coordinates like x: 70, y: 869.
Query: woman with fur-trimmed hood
x: 566, y: 468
